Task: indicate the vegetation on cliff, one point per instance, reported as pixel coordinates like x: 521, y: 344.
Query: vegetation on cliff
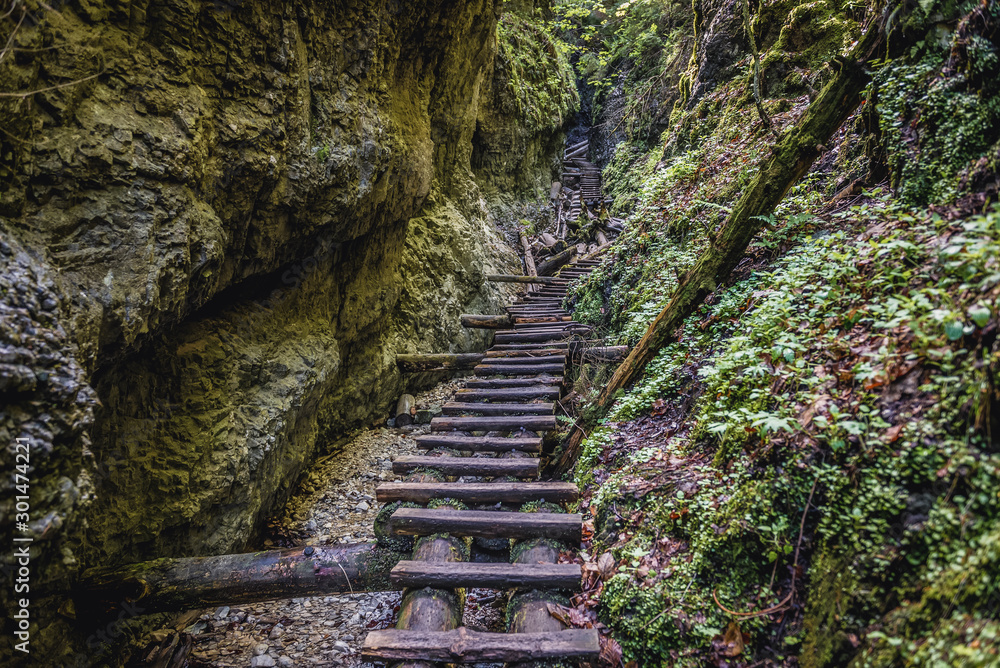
x: 809, y: 473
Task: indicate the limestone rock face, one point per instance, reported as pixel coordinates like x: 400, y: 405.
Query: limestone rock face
x: 221, y: 220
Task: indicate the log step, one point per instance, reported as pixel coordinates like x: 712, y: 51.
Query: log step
x: 537, y: 352
x: 524, y: 467
x: 479, y: 443
x: 464, y: 408
x: 494, y: 576
x: 464, y: 646
x: 512, y: 394
x: 487, y: 524
x: 555, y: 357
x: 482, y: 383
x: 533, y: 347
x: 532, y: 337
x: 518, y: 369
x: 478, y: 492
x: 498, y: 423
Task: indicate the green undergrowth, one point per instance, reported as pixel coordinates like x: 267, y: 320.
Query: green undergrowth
x: 539, y: 75
x: 857, y: 369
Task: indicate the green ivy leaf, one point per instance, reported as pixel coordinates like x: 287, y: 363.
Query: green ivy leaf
x: 980, y: 315
x: 954, y: 330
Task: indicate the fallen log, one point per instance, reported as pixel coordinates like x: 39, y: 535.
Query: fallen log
x: 438, y: 361
x: 556, y: 261
x: 547, y: 239
x: 486, y: 321
x: 164, y: 585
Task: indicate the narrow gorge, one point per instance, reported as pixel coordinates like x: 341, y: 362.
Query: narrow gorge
x: 722, y: 275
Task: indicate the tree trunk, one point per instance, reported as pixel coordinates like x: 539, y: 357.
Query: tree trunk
x: 405, y: 410
x: 788, y: 161
x: 230, y: 579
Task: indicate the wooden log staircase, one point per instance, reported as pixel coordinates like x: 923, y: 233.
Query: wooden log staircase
x: 493, y: 432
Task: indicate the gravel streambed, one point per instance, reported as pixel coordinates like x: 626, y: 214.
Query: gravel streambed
x: 334, y: 504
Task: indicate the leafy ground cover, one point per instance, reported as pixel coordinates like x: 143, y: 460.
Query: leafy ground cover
x: 810, y: 474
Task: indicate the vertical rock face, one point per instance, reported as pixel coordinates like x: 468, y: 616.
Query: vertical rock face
x: 220, y: 221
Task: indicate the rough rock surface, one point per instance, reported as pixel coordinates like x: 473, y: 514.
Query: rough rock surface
x: 241, y: 211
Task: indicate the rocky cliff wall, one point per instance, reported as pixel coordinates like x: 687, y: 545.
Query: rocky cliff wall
x: 220, y: 222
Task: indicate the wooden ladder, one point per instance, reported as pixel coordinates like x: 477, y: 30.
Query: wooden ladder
x: 511, y: 403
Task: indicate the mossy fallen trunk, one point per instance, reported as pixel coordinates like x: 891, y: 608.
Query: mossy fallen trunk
x: 789, y: 160
x: 200, y: 582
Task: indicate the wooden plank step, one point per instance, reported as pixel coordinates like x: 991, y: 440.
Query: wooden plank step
x: 482, y: 383
x: 542, y: 351
x: 494, y: 576
x: 465, y: 408
x: 479, y: 443
x: 524, y: 467
x: 521, y: 320
x: 518, y: 369
x: 544, y: 326
x: 464, y: 646
x: 487, y: 523
x: 558, y: 358
x: 495, y: 423
x: 510, y: 394
x: 527, y: 346
x: 478, y: 492
x: 530, y: 313
x: 532, y: 337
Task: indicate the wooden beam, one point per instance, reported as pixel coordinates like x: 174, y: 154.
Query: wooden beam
x: 479, y: 443
x: 519, y: 370
x: 478, y: 492
x: 493, y: 576
x: 491, y: 423
x: 549, y: 266
x: 464, y: 646
x: 465, y: 408
x: 493, y: 467
x: 510, y: 394
x: 566, y: 527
